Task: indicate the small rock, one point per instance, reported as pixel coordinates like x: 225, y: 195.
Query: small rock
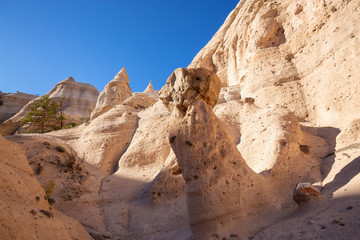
x: 47, y: 213
x: 304, y: 192
x: 305, y: 149
x: 249, y: 100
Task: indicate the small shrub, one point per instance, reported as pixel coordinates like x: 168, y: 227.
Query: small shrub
x: 55, y: 128
x: 60, y: 148
x: 50, y: 187
x: 70, y: 125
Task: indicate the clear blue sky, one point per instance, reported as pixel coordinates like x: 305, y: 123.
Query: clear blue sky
x: 43, y: 42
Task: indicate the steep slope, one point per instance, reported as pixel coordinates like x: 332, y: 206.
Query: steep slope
x: 25, y: 211
x: 300, y: 54
x: 115, y: 92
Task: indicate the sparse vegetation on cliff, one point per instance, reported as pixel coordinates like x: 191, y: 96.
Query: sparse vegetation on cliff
x: 45, y: 114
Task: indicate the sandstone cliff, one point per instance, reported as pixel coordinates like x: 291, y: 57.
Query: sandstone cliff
x: 25, y: 211
x: 289, y: 53
x: 77, y: 101
x: 222, y: 163
x: 11, y: 103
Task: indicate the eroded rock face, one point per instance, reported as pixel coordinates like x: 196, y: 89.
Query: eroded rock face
x: 217, y: 178
x: 299, y: 54
x: 223, y: 191
x: 11, y: 103
x: 220, y: 187
x: 186, y: 85
x: 77, y: 100
x: 115, y: 92
x: 150, y: 91
x: 24, y: 204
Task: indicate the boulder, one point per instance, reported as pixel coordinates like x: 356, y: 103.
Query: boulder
x: 187, y: 85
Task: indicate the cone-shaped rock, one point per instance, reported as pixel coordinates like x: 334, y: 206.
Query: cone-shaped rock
x: 150, y: 91
x: 77, y: 100
x: 114, y: 93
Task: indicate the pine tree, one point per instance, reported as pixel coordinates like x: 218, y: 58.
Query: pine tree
x: 44, y: 114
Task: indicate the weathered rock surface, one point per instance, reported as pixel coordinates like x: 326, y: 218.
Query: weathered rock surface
x: 114, y: 93
x: 68, y: 182
x: 25, y: 211
x: 287, y: 113
x: 11, y: 103
x: 77, y: 100
x: 298, y: 54
x: 271, y: 139
x: 186, y: 85
x: 220, y: 186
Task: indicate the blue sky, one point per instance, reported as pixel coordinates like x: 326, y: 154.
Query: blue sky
x: 43, y: 42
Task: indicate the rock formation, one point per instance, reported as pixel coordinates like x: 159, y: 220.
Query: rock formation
x: 284, y: 52
x: 186, y: 85
x: 221, y: 188
x: 128, y: 175
x: 77, y: 101
x: 11, y: 103
x: 270, y: 103
x: 150, y: 91
x: 25, y: 210
x: 114, y: 93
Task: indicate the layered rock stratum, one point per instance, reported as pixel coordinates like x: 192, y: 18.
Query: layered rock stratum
x: 12, y: 103
x: 268, y: 105
x: 77, y: 101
